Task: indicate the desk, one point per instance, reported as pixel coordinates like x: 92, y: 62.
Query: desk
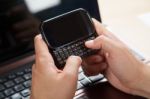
x: 106, y: 91
x: 122, y: 17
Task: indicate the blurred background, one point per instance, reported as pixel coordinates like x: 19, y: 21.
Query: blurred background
x: 20, y: 21
x: 129, y: 20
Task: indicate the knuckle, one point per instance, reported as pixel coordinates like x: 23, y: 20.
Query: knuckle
x: 122, y: 47
x: 41, y: 61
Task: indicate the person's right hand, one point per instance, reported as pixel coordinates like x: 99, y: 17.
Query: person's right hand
x: 122, y: 69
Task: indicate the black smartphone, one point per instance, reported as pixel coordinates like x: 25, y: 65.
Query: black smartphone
x: 66, y: 34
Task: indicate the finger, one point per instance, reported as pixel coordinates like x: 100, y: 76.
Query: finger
x: 93, y: 59
x: 101, y: 30
x: 102, y: 42
x: 94, y: 69
x: 116, y: 82
x: 72, y: 65
x: 42, y: 53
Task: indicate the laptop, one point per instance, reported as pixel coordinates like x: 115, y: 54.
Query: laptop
x: 19, y: 23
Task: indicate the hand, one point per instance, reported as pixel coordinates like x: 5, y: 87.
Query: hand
x: 122, y: 69
x: 48, y: 82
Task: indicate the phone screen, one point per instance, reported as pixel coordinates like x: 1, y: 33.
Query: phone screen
x: 71, y: 27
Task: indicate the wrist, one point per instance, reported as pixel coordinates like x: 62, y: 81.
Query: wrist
x: 143, y: 88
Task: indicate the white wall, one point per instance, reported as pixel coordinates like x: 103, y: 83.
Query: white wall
x: 122, y: 16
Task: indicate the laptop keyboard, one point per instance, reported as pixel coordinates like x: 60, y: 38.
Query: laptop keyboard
x: 16, y: 85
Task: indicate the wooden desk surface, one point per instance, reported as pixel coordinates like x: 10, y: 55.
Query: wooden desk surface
x: 122, y: 17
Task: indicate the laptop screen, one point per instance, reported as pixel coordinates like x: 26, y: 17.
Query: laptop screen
x: 20, y: 20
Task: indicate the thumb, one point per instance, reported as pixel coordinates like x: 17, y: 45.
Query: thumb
x: 72, y: 65
x: 102, y: 42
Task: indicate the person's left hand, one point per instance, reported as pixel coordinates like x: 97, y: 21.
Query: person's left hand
x: 48, y: 82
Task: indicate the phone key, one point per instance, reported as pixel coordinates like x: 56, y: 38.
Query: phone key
x: 67, y: 54
x: 59, y: 59
x: 77, y: 45
x: 81, y: 54
x: 72, y: 46
x: 81, y: 43
x: 56, y: 54
x: 77, y: 53
x: 61, y: 62
x: 68, y: 48
x: 60, y: 52
x: 93, y: 37
x: 80, y: 51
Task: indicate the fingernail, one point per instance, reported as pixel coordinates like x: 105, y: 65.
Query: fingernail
x: 90, y: 42
x: 76, y: 58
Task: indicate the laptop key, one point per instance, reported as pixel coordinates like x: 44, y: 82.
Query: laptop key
x: 19, y: 73
x: 1, y: 87
x: 2, y: 96
x: 16, y: 96
x: 85, y: 81
x: 11, y: 76
x: 28, y: 97
x: 27, y: 76
x: 9, y: 84
x: 81, y: 76
x: 96, y: 78
x: 79, y: 86
x: 25, y: 92
x: 27, y: 83
x: 28, y: 70
x: 3, y: 79
x: 9, y: 92
x: 19, y: 80
x: 19, y: 87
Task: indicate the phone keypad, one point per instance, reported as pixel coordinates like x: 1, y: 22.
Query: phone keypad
x: 78, y: 49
